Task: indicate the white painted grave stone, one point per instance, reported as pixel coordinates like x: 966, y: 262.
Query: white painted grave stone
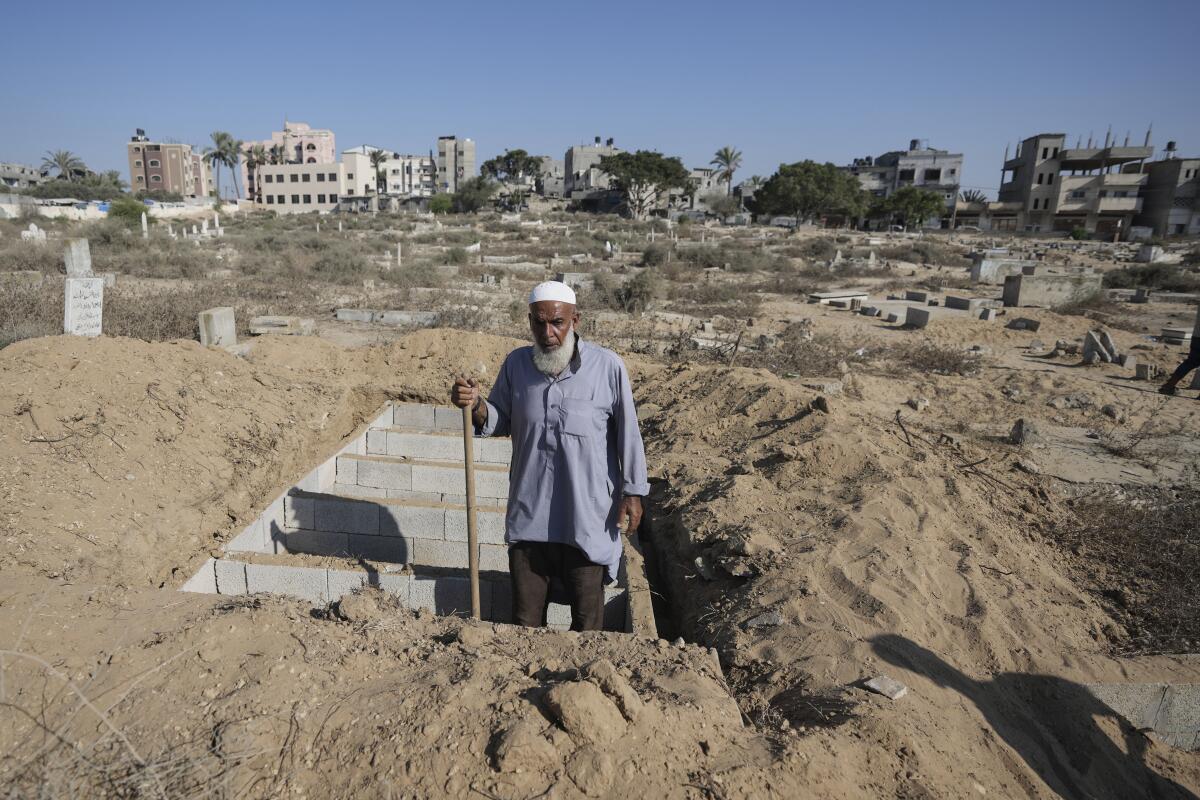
x: 78, y: 258
x: 83, y: 309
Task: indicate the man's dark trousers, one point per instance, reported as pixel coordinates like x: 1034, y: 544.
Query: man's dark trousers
x: 532, y: 566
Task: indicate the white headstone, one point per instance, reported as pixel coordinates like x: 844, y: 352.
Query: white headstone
x: 399, y: 255
x: 217, y: 327
x: 83, y: 306
x: 33, y: 234
x: 204, y: 226
x: 195, y: 231
x: 216, y: 220
x: 339, y: 226
x: 837, y: 257
x: 145, y: 226
x: 170, y: 229
x: 318, y: 227
x: 473, y: 248
x: 608, y: 247
x: 78, y: 258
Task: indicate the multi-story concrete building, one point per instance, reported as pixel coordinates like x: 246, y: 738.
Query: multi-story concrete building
x: 302, y: 188
x: 582, y: 176
x: 1047, y: 186
x: 550, y: 180
x: 920, y: 165
x: 403, y: 175
x: 455, y: 162
x: 19, y: 176
x: 167, y: 167
x: 1171, y: 196
x: 299, y: 143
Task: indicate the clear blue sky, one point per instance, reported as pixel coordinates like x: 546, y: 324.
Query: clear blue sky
x: 781, y: 81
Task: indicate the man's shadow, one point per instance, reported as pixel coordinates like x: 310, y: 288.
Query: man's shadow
x: 1050, y: 723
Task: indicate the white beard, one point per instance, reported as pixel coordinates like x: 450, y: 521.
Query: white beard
x: 553, y: 361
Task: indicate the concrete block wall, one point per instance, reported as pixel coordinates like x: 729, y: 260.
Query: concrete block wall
x: 393, y: 494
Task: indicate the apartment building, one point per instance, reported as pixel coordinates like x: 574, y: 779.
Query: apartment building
x: 404, y: 176
x: 920, y: 165
x: 455, y: 162
x: 297, y: 143
x: 550, y: 179
x: 19, y: 176
x: 1171, y: 195
x: 167, y: 167
x: 582, y: 176
x: 1047, y: 186
x: 301, y: 188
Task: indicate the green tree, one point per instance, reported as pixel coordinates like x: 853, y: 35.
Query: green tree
x: 511, y: 169
x: 70, y: 166
x: 441, y: 204
x: 806, y: 189
x: 727, y: 160
x: 913, y: 205
x: 473, y: 194
x: 129, y: 211
x: 642, y: 176
x: 973, y: 196
x: 277, y: 154
x: 225, y: 151
x: 378, y: 157
x: 723, y: 205
x: 256, y: 156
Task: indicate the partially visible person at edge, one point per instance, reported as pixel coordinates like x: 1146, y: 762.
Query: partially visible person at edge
x: 1190, y: 363
x: 578, y: 471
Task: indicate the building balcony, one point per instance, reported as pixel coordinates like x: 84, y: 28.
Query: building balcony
x: 1119, y: 204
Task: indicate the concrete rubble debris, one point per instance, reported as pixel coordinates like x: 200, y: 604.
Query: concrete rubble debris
x: 918, y: 403
x: 768, y: 619
x: 890, y: 688
x: 1023, y: 432
x: 282, y: 326
x: 1025, y: 324
x: 1146, y: 372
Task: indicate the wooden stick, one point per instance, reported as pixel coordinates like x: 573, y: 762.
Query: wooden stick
x: 472, y: 538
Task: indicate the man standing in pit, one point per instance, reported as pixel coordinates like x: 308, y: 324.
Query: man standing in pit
x: 578, y: 472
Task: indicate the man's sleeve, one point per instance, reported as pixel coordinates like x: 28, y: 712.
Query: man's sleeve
x: 629, y: 438
x: 499, y: 405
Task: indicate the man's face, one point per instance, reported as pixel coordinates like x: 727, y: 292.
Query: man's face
x: 550, y: 320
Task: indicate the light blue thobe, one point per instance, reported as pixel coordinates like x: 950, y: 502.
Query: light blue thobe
x: 576, y: 450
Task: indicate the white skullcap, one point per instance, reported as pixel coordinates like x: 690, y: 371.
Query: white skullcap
x: 554, y: 291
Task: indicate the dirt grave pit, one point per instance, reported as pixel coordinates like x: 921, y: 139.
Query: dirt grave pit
x: 388, y: 509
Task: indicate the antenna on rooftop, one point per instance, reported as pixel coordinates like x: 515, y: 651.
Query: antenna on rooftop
x: 1149, y: 128
x: 1126, y: 138
x: 1090, y: 135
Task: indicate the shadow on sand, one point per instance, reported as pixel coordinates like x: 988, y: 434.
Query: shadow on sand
x: 1050, y: 723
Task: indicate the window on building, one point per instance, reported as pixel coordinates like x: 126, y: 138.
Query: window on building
x: 296, y: 199
x: 269, y: 178
x: 320, y: 198
x: 933, y: 175
x: 280, y: 199
x: 1049, y: 178
x: 1078, y: 194
x: 350, y: 176
x: 1035, y: 204
x: 137, y: 163
x: 312, y: 160
x: 295, y: 178
x: 311, y: 146
x: 907, y: 174
x: 953, y: 172
x: 333, y: 198
x: 137, y: 149
x: 1121, y: 194
x: 1039, y: 179
x: 308, y: 198
x: 320, y: 177
x: 155, y: 163
x: 141, y: 179
x: 1045, y: 153
x: 333, y: 176
x: 1055, y: 153
x: 306, y: 177
x: 156, y: 178
x: 270, y: 200
x: 1104, y: 193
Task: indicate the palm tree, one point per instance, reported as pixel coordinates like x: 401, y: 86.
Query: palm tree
x: 69, y: 165
x: 232, y: 157
x: 973, y: 196
x: 256, y: 156
x: 278, y: 154
x: 377, y: 158
x: 727, y: 160
x: 215, y: 155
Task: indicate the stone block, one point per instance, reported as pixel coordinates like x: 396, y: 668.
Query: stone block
x: 1128, y: 361
x: 434, y: 478
x: 389, y: 549
x: 987, y: 314
x: 1025, y: 324
x: 917, y: 317
x: 917, y: 297
x: 204, y: 581
x: 217, y: 327
x: 282, y: 326
x: 493, y: 557
x: 1048, y: 291
x: 377, y: 443
x: 445, y: 595
x: 230, y: 576
x: 413, y: 415
x: 363, y: 492
x: 558, y: 615
x: 385, y: 474
x: 495, y: 451
x: 343, y: 582
x: 346, y: 516
x: 426, y: 445
x: 400, y: 586
x: 1109, y: 344
x: 1144, y: 372
x: 448, y: 555
x: 254, y: 538
x: 489, y: 526
x: 317, y: 543
x: 78, y: 258
x: 412, y: 521
x: 960, y: 303
x: 893, y: 317
x: 299, y: 513
x: 447, y: 419
x: 346, y: 470
x: 355, y: 315
x: 1094, y: 350
x: 304, y: 583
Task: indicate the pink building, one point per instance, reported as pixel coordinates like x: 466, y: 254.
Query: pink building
x: 297, y: 143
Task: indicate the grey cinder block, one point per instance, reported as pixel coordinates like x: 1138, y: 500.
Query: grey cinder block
x: 347, y: 470
x: 431, y: 553
x: 342, y: 582
x: 230, y: 576
x: 384, y: 474
x: 204, y: 581
x: 317, y: 543
x: 304, y: 583
x: 298, y: 513
x: 346, y: 516
x: 412, y: 521
x: 489, y: 526
x: 388, y: 549
x: 413, y: 415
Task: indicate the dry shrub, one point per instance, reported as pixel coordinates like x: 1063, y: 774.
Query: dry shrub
x: 926, y: 357
x: 1143, y: 558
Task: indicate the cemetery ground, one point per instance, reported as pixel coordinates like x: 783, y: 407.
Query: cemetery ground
x: 835, y: 498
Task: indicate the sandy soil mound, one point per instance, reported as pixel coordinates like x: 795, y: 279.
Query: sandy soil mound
x: 814, y: 543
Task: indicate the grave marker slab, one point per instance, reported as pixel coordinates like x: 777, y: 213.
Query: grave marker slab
x: 83, y: 308
x: 78, y: 258
x: 217, y: 327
